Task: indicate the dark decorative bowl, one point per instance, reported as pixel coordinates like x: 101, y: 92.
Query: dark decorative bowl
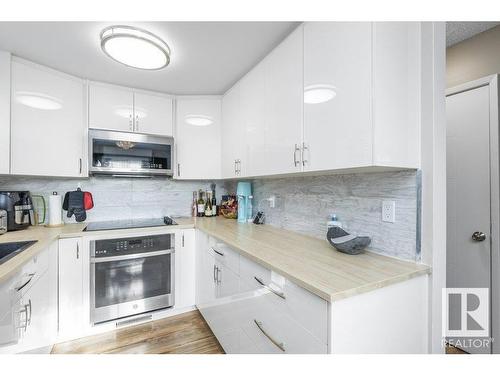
x: 345, y: 242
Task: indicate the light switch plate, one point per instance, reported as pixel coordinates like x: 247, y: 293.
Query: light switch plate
x: 389, y: 211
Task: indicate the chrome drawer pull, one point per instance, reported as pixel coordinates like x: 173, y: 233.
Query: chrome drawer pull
x: 217, y: 252
x: 280, y: 345
x: 31, y: 275
x: 279, y: 294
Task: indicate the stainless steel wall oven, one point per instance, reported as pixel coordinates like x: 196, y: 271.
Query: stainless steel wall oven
x: 130, y: 276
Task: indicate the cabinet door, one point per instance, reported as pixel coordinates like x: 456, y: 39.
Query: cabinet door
x: 253, y: 119
x: 41, y: 321
x: 233, y: 136
x: 396, y: 78
x: 198, y: 147
x: 205, y: 272
x: 70, y: 287
x: 5, y: 112
x: 153, y: 114
x: 111, y: 108
x: 337, y: 95
x: 284, y: 105
x: 48, y: 123
x: 185, y: 268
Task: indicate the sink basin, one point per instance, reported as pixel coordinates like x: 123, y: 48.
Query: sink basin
x: 9, y: 250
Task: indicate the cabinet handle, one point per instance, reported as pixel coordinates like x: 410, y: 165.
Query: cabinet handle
x: 217, y: 252
x: 182, y: 239
x: 31, y: 275
x: 280, y: 345
x: 24, y: 325
x: 178, y: 169
x: 80, y: 165
x: 130, y: 123
x: 29, y: 318
x: 279, y: 294
x: 304, y: 148
x: 215, y: 271
x: 77, y: 251
x: 295, y: 161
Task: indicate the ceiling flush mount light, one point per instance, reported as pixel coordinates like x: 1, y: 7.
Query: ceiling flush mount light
x: 135, y: 47
x: 198, y: 120
x: 316, y: 94
x: 38, y: 100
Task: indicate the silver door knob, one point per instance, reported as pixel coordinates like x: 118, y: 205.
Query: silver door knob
x: 478, y: 236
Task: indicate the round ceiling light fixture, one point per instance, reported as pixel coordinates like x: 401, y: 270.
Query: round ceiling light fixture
x: 321, y: 93
x: 38, y: 100
x: 135, y: 47
x: 198, y: 120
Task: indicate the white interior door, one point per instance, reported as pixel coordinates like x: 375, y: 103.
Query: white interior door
x: 468, y: 192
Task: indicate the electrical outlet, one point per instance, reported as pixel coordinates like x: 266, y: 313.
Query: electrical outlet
x: 389, y: 211
x: 272, y: 201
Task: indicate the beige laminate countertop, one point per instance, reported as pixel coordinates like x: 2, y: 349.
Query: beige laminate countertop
x: 309, y: 262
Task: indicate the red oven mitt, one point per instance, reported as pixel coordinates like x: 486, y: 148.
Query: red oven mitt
x: 88, y: 201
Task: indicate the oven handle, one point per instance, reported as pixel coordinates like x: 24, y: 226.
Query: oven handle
x: 131, y: 256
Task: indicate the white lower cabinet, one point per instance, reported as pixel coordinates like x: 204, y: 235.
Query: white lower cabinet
x: 185, y: 268
x: 28, y: 312
x: 253, y: 310
x: 71, y: 304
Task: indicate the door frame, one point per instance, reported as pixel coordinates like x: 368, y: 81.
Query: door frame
x: 492, y: 82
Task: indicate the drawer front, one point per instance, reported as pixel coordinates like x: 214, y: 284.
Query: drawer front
x: 225, y: 255
x: 275, y: 332
x: 32, y: 271
x: 307, y: 309
x: 250, y: 272
x: 237, y: 342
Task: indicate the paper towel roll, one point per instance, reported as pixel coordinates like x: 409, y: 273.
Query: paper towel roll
x: 55, y: 210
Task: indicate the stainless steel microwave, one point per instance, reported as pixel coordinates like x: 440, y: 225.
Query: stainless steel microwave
x: 130, y: 154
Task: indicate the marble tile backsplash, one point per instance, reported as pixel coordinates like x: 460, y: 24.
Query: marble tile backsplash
x: 303, y: 204
x: 120, y: 198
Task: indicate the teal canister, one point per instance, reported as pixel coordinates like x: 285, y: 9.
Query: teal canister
x: 244, y: 192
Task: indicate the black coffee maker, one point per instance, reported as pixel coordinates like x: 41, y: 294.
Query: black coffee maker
x: 19, y: 207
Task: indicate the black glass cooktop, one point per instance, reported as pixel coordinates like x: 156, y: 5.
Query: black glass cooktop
x: 129, y: 223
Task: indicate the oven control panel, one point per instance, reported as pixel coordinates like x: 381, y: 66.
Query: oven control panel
x: 132, y: 245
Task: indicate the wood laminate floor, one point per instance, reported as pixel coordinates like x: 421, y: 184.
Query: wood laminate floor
x: 186, y: 333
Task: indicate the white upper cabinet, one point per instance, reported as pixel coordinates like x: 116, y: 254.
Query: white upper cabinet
x: 234, y: 148
x: 4, y: 112
x: 118, y: 108
x: 198, y: 138
x: 153, y: 114
x: 48, y: 123
x: 361, y: 87
x: 262, y: 115
x: 111, y: 108
x: 396, y: 94
x: 337, y: 95
x: 283, y: 106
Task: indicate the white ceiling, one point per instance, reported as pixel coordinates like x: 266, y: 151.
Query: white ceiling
x: 457, y: 32
x: 207, y: 57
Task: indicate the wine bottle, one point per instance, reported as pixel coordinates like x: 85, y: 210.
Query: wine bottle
x: 208, y: 205
x: 201, y: 204
x: 214, y: 203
